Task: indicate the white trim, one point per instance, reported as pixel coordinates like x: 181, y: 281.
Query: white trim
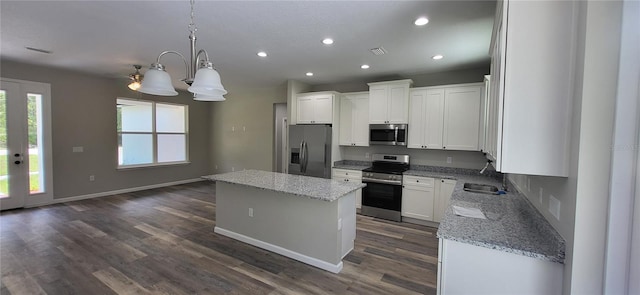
x: 115, y: 192
x: 334, y: 268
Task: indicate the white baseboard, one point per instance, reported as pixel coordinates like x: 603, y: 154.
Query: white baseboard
x: 334, y: 268
x: 110, y: 193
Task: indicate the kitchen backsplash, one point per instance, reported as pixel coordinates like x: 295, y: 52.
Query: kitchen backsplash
x: 458, y: 159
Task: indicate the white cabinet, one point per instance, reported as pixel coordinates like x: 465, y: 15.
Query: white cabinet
x: 532, y: 70
x: 445, y: 117
x: 389, y: 102
x: 469, y: 269
x: 418, y: 197
x: 462, y: 118
x: 350, y: 176
x: 442, y: 198
x: 315, y: 108
x: 354, y: 119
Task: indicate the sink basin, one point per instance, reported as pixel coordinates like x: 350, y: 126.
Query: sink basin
x: 480, y: 188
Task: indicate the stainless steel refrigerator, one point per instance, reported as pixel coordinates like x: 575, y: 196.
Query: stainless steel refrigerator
x: 310, y: 150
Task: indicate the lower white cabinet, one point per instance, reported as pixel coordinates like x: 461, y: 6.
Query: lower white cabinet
x: 469, y: 269
x: 347, y: 175
x: 442, y: 200
x: 418, y: 195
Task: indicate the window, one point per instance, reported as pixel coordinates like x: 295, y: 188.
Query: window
x: 151, y: 133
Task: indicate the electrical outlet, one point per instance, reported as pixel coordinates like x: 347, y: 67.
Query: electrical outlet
x: 244, y: 128
x: 233, y: 169
x: 233, y: 128
x: 540, y: 196
x: 250, y: 212
x: 92, y: 177
x: 449, y: 160
x: 554, y: 207
x: 366, y: 155
x: 78, y: 149
x: 216, y: 167
x: 528, y: 184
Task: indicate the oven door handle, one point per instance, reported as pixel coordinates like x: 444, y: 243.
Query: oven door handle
x: 382, y: 181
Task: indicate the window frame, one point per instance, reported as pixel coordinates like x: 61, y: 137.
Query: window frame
x: 154, y: 135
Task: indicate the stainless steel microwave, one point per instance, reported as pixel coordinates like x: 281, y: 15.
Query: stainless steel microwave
x: 388, y: 134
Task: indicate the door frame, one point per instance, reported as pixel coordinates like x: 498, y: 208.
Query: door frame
x: 45, y: 197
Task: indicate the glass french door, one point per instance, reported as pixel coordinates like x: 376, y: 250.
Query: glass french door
x: 25, y: 144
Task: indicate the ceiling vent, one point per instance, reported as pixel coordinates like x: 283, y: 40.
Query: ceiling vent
x: 378, y: 51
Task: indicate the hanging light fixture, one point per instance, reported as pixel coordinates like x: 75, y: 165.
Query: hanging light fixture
x: 204, y: 83
x: 136, y: 78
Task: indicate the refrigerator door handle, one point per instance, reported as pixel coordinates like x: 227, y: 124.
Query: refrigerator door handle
x: 304, y: 160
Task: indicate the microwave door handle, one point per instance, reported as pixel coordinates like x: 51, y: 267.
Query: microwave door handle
x: 395, y: 140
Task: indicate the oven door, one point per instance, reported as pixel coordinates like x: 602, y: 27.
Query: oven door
x: 381, y: 195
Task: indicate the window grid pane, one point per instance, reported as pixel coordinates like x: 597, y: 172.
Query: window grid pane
x: 139, y: 144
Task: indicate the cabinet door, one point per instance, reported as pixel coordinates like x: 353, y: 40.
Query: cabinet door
x: 323, y: 109
x: 434, y: 118
x: 360, y: 120
x: 442, y: 202
x: 305, y: 109
x: 346, y: 121
x: 398, y: 104
x: 378, y: 104
x: 462, y: 118
x: 417, y: 202
x: 417, y: 124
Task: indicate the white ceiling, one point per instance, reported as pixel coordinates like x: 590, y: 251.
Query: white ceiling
x: 108, y: 37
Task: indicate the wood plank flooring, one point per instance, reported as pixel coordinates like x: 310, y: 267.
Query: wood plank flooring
x: 161, y: 241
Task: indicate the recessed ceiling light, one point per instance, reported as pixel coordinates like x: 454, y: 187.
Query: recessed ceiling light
x: 421, y: 21
x: 437, y: 57
x: 262, y: 54
x: 327, y: 41
x: 364, y: 66
x: 309, y: 74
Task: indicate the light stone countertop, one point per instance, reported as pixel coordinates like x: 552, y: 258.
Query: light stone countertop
x: 304, y: 186
x: 513, y: 225
x: 351, y: 165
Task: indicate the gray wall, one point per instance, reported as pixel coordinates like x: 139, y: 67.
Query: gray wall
x: 241, y: 135
x: 84, y: 114
x: 419, y: 80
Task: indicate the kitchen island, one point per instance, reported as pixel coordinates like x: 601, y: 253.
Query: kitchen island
x: 312, y: 220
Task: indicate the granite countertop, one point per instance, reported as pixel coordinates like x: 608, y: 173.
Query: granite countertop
x: 513, y: 225
x: 351, y: 165
x: 304, y: 186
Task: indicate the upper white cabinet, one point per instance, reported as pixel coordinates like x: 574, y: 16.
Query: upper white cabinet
x: 389, y: 102
x: 530, y: 99
x: 445, y: 117
x: 315, y: 108
x: 354, y: 119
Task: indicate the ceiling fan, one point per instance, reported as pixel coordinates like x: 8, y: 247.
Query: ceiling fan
x: 136, y: 78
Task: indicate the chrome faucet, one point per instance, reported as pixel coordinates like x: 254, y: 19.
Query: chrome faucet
x: 485, y: 167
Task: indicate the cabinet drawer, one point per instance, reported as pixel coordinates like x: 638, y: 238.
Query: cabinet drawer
x: 418, y: 181
x: 346, y: 173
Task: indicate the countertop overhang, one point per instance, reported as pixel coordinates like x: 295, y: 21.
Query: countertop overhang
x: 304, y: 186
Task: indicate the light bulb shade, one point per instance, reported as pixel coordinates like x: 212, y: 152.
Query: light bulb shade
x: 207, y: 84
x: 135, y: 85
x: 157, y: 82
x: 202, y: 97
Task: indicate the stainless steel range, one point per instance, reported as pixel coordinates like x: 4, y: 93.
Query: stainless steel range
x: 382, y: 197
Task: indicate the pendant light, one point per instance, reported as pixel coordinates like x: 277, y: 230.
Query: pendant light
x: 204, y: 83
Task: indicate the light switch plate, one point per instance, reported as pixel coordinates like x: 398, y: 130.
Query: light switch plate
x: 554, y: 207
x: 540, y: 196
x: 78, y: 149
x: 449, y: 160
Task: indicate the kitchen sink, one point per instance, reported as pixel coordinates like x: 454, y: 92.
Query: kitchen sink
x: 480, y: 188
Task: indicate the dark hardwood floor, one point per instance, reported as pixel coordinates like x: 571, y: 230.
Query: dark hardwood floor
x: 161, y: 241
